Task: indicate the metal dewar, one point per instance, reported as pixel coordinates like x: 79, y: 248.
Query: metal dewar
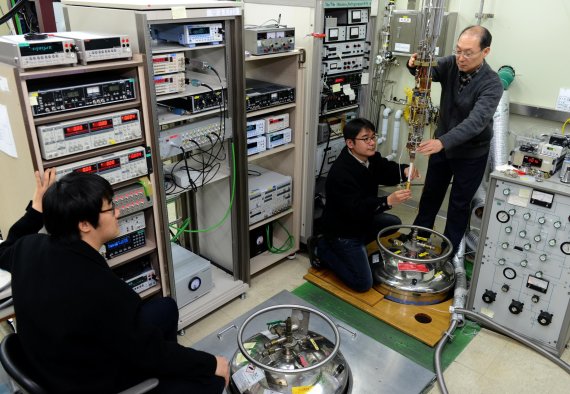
x: 416, y: 267
x: 288, y: 356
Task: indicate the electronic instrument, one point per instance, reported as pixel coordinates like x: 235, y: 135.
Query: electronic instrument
x: 278, y: 138
x: 192, y: 275
x: 256, y: 145
x: 23, y: 53
x: 139, y: 274
x: 261, y: 94
x: 189, y: 136
x: 338, y: 66
x: 125, y: 243
x: 131, y: 199
x: 192, y: 34
x: 276, y: 122
x: 169, y: 83
x: 266, y: 40
x: 166, y: 63
x: 269, y: 193
x: 46, y: 101
x: 254, y: 128
x: 84, y: 134
x: 93, y: 47
x: 116, y: 167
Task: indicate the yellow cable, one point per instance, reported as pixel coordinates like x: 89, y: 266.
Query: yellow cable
x: 564, y: 125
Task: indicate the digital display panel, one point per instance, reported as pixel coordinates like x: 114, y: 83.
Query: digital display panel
x: 113, y: 88
x: 339, y: 80
x: 108, y: 165
x: 198, y: 30
x: 250, y: 127
x: 90, y: 169
x: 532, y: 161
x: 41, y: 48
x: 136, y: 156
x: 276, y: 137
x: 71, y: 93
x: 117, y: 243
x: 251, y: 145
x: 129, y: 117
x: 158, y: 59
x: 101, y: 125
x: 75, y: 130
x: 102, y: 43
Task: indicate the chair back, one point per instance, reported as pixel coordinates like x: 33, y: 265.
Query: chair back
x: 17, y: 366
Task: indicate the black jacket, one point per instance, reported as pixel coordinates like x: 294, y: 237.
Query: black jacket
x: 352, y: 194
x: 465, y: 126
x: 78, y: 322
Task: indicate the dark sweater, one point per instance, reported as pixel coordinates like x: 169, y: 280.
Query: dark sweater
x: 352, y: 194
x: 78, y: 322
x: 465, y: 125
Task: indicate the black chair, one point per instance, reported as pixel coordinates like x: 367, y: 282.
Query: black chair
x: 17, y: 367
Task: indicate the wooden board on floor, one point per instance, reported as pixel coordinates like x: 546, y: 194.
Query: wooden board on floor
x: 425, y: 323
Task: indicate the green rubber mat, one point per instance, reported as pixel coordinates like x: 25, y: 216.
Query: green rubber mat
x: 384, y: 333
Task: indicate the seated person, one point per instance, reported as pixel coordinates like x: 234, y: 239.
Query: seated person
x: 354, y: 214
x: 82, y: 328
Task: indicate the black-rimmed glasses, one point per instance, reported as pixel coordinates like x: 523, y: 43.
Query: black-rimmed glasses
x: 112, y: 209
x: 368, y: 139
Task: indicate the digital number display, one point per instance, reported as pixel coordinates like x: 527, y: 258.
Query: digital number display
x: 102, y: 43
x: 251, y: 127
x: 75, y: 130
x: 41, y: 49
x: 339, y: 80
x: 129, y: 117
x: 101, y: 125
x: 136, y: 156
x: 159, y: 60
x: 108, y: 165
x: 119, y: 242
x: 198, y: 30
x: 160, y: 80
x: 276, y: 137
x: 113, y: 88
x: 251, y: 145
x: 90, y: 169
x: 533, y: 161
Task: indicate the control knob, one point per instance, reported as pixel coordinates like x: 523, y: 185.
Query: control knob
x: 516, y: 307
x: 505, y: 288
x: 544, y: 318
x: 489, y: 296
x: 535, y: 298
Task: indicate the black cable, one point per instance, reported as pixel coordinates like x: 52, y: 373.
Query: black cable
x: 8, y: 15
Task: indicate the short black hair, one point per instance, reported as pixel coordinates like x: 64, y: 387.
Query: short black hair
x: 353, y: 127
x: 485, y: 36
x: 74, y: 198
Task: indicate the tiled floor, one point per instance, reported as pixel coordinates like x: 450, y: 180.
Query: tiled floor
x: 491, y: 363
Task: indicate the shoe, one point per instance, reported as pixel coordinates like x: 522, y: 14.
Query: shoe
x: 312, y: 242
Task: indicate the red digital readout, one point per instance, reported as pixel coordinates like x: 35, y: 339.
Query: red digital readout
x: 129, y: 117
x: 339, y: 80
x: 533, y: 161
x: 136, y: 156
x: 101, y: 125
x: 108, y: 164
x: 72, y: 131
x: 90, y: 169
x: 159, y: 60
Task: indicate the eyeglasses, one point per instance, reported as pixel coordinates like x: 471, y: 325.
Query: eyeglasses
x: 466, y: 55
x: 112, y: 209
x: 367, y: 139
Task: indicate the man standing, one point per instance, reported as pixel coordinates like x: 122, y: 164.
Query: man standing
x: 354, y: 214
x: 471, y: 91
x: 82, y: 329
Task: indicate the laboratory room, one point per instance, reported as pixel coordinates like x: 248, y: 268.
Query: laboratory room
x: 284, y: 197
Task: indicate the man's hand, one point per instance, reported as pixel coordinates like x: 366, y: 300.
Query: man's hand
x: 412, y: 60
x: 42, y: 184
x: 415, y: 173
x: 399, y: 196
x: 429, y: 147
x: 223, y: 368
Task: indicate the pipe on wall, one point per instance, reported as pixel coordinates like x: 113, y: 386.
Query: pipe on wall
x: 396, y: 135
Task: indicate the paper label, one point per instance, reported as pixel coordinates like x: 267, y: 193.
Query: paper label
x: 414, y: 267
x: 336, y: 88
x: 178, y: 12
x: 247, y: 376
x: 364, y: 79
x: 563, y: 101
x: 400, y: 47
x: 405, y: 19
x: 4, y: 85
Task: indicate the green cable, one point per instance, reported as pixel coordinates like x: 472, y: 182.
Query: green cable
x: 215, y: 226
x: 287, y: 245
x: 17, y: 18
